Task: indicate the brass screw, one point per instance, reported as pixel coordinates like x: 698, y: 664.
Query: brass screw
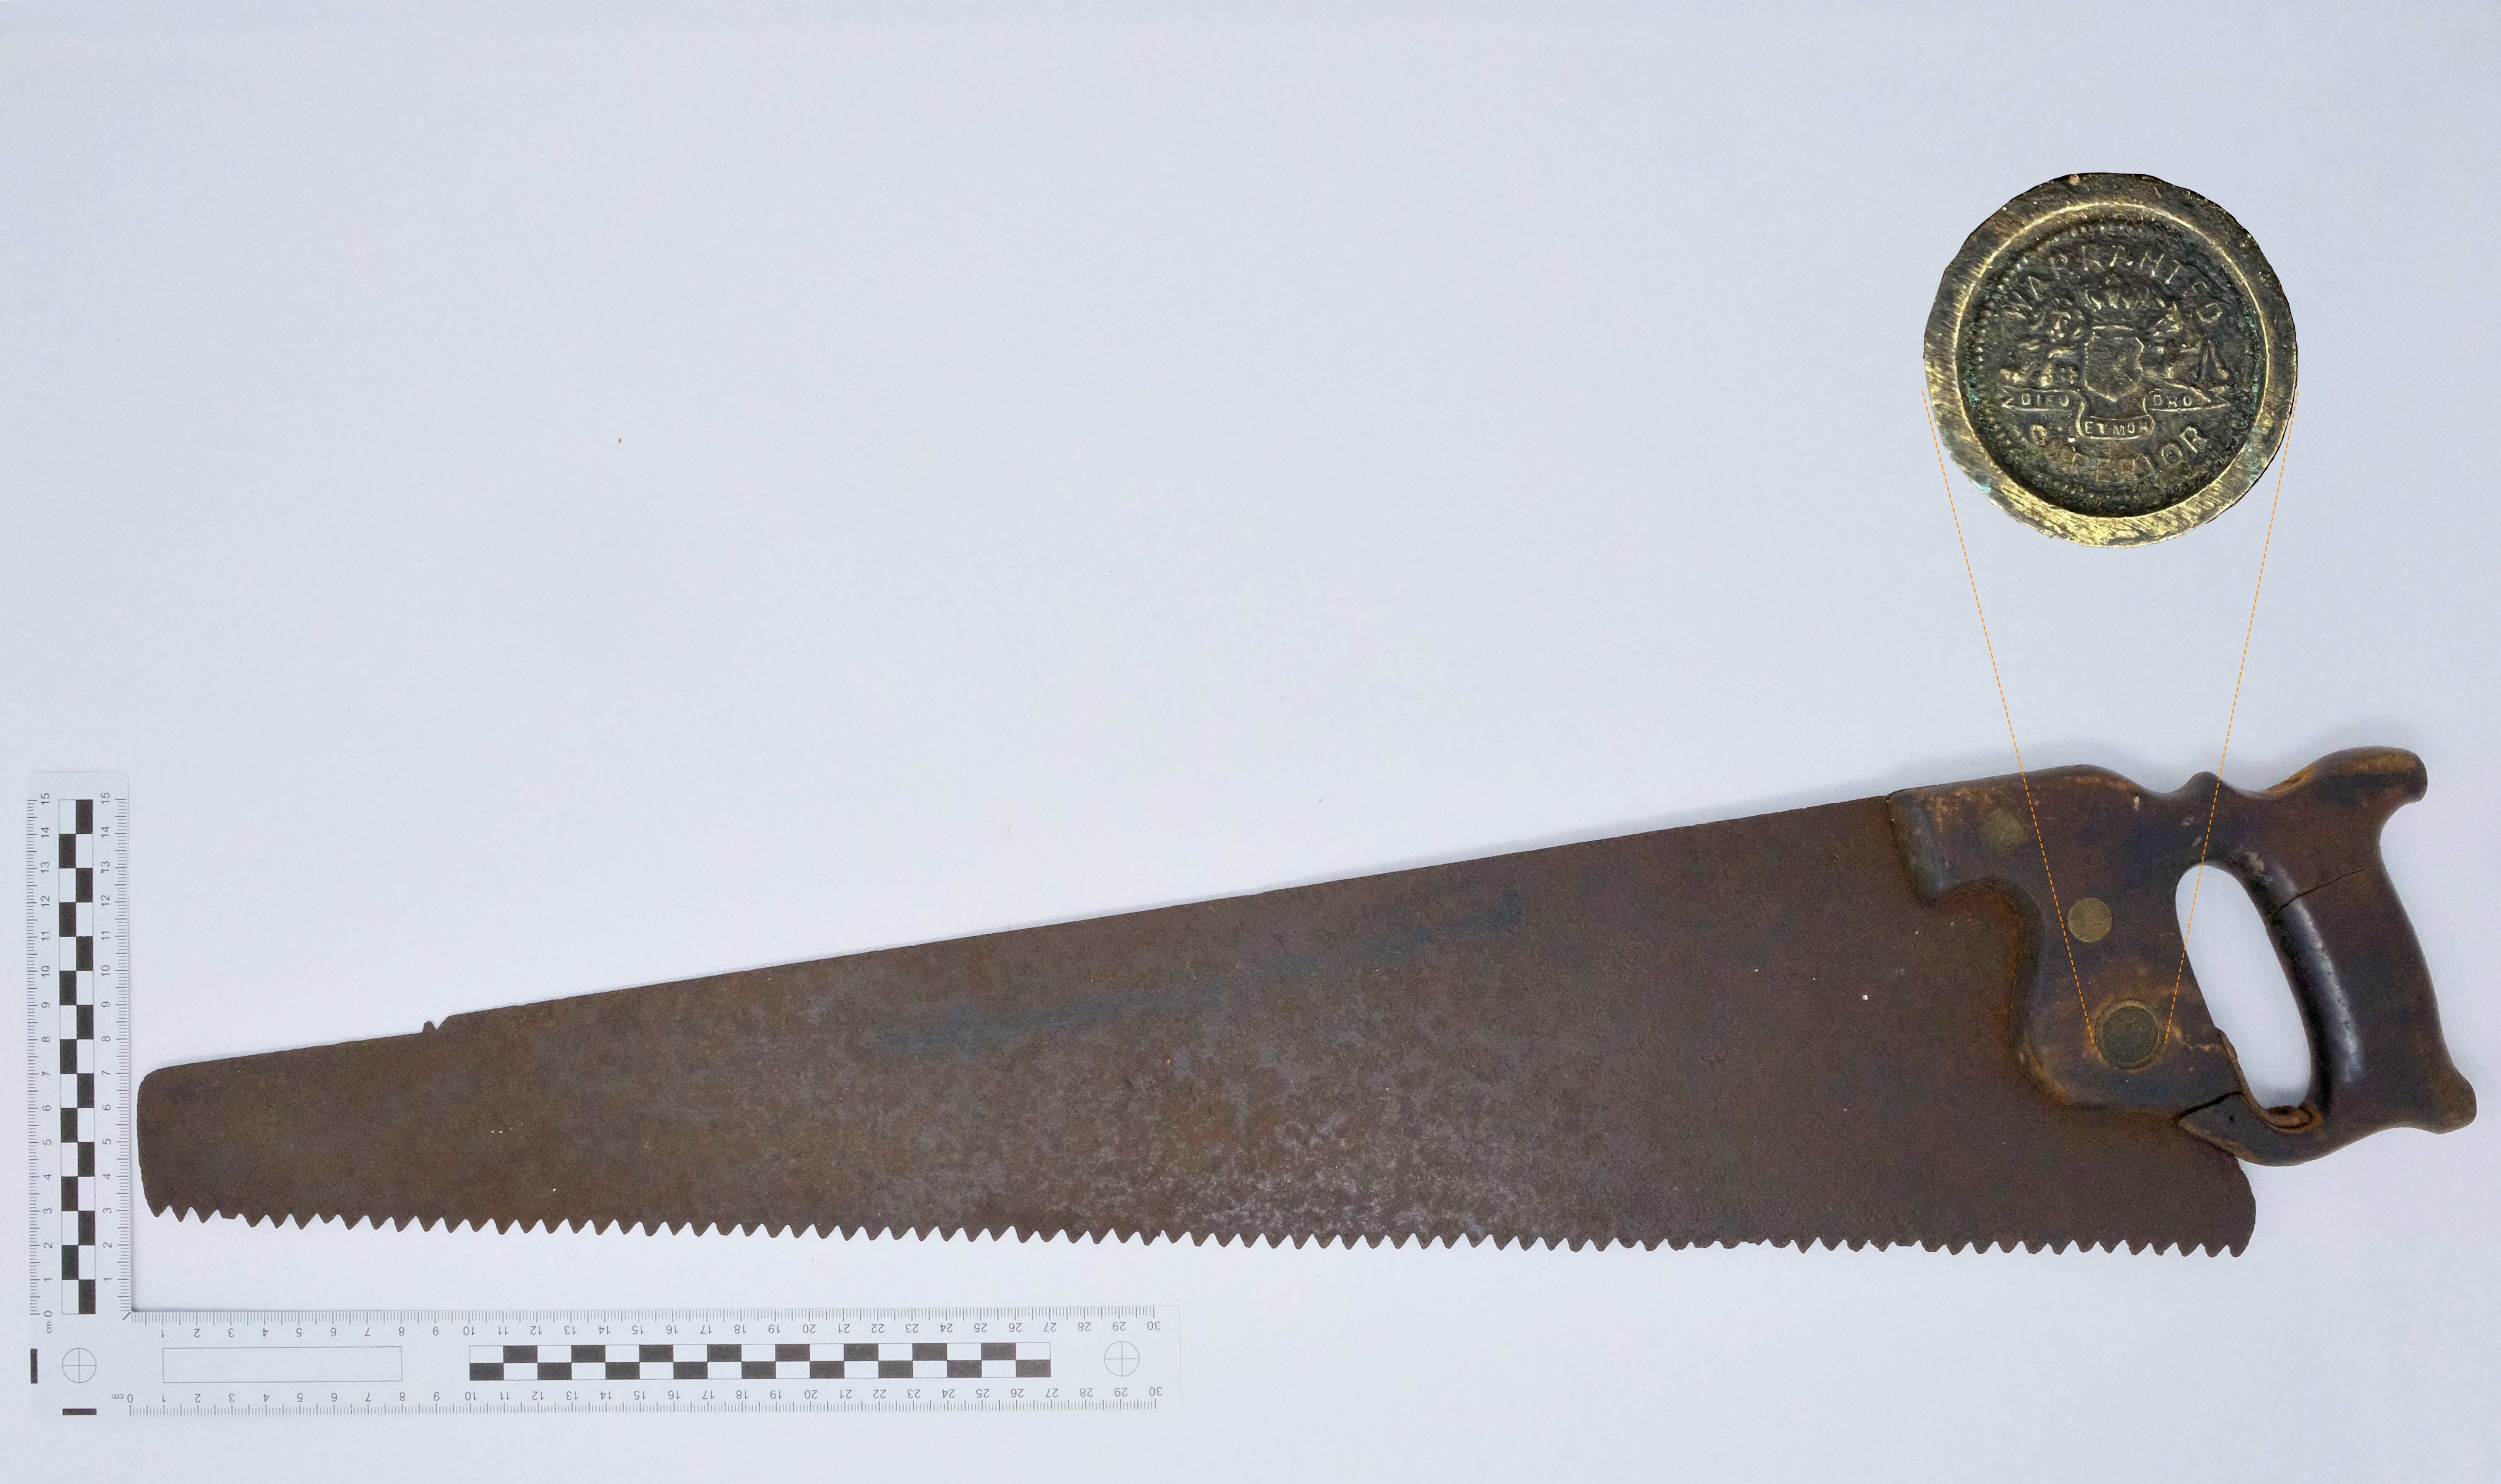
x: 2090, y: 920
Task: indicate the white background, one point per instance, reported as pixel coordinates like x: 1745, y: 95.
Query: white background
x: 540, y: 507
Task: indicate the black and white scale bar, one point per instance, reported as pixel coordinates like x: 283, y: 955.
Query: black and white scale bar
x: 166, y: 1362
x: 1009, y: 1360
x: 81, y: 832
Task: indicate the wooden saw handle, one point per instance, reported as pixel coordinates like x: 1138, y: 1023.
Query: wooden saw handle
x: 2111, y: 1014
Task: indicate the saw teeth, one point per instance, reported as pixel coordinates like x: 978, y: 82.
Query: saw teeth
x: 829, y: 1230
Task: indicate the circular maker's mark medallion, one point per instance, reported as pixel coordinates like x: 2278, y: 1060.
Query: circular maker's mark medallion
x: 2112, y: 358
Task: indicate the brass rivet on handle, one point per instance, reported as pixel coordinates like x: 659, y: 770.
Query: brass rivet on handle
x: 2128, y: 1035
x: 2090, y: 920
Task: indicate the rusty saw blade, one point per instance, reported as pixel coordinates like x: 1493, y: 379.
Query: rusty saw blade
x: 1842, y: 1024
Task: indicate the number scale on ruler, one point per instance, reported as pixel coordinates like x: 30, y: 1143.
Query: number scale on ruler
x: 93, y: 1354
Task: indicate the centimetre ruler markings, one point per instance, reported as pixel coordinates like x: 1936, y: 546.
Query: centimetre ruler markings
x: 93, y: 1353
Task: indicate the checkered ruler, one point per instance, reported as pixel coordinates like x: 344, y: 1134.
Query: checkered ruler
x: 79, y: 1071
x: 1084, y: 1357
x: 1009, y: 1360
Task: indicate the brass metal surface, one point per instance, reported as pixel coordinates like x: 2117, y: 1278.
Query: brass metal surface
x: 2112, y: 358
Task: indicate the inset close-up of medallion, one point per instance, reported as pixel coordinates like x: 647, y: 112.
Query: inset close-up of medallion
x: 2112, y: 358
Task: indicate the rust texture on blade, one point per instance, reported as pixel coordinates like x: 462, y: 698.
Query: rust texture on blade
x: 1755, y: 1030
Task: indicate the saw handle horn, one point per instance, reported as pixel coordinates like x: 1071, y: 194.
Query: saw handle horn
x: 2109, y: 1014
x: 2307, y: 853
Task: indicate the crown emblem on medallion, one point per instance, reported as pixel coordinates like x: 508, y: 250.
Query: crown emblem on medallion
x: 2112, y: 353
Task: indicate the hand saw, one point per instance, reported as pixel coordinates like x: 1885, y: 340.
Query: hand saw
x: 1955, y: 1015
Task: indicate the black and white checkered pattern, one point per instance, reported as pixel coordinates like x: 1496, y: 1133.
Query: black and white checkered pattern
x: 1010, y: 1360
x: 76, y: 865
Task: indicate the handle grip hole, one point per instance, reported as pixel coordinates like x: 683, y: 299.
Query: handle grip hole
x: 2243, y: 984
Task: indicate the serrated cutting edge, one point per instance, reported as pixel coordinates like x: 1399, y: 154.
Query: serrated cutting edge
x: 617, y: 1226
